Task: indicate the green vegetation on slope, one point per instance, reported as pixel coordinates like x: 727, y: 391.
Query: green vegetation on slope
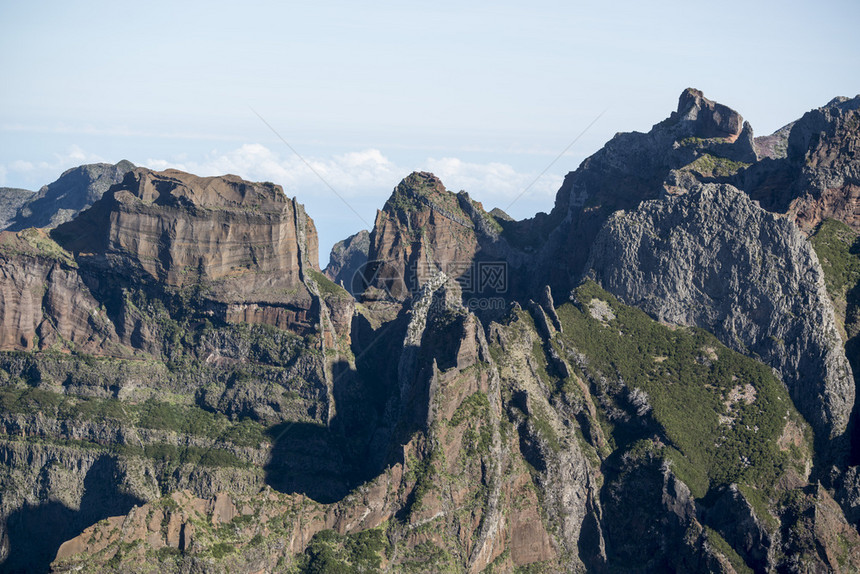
x: 332, y: 553
x: 327, y: 286
x: 709, y: 165
x: 838, y: 250
x: 150, y: 414
x: 721, y: 412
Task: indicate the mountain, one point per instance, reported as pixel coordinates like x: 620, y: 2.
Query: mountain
x: 657, y: 376
x: 818, y: 177
x: 348, y: 257
x: 747, y: 276
x: 74, y: 191
x: 11, y: 199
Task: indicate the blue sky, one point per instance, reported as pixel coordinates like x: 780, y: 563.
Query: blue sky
x: 484, y: 95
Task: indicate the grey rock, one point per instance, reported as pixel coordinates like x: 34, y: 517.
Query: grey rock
x: 774, y: 146
x: 11, y: 200
x: 818, y: 175
x: 714, y: 259
x: 735, y: 519
x: 848, y: 494
x: 346, y: 259
x: 74, y: 191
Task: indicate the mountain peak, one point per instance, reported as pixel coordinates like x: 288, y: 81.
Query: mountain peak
x: 709, y: 119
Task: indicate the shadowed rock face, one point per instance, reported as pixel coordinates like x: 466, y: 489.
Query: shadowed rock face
x: 11, y: 200
x: 713, y: 258
x: 346, y: 259
x: 818, y: 176
x: 74, y: 191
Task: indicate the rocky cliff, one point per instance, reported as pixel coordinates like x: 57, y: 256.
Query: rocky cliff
x: 713, y: 258
x: 215, y: 403
x: 818, y: 176
x: 347, y: 259
x: 11, y: 200
x: 245, y: 244
x: 240, y: 338
x: 701, y: 139
x: 424, y: 229
x: 74, y: 191
x: 43, y: 301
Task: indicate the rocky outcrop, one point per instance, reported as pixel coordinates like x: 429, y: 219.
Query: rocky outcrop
x: 179, y: 229
x: 701, y: 139
x: 347, y: 258
x: 423, y: 228
x: 819, y: 176
x: 774, y: 146
x: 44, y: 302
x: 244, y: 244
x: 714, y: 259
x: 11, y: 200
x: 420, y: 231
x: 74, y: 191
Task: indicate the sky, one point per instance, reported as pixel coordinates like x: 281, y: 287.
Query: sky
x: 338, y: 101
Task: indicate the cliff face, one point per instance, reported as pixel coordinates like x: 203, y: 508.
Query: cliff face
x: 819, y: 175
x: 43, y: 301
x: 423, y: 228
x: 245, y: 244
x: 74, y: 191
x: 701, y: 139
x: 11, y: 200
x: 179, y: 229
x: 347, y: 258
x: 714, y: 259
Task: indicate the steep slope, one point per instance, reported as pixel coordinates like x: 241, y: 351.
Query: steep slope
x: 565, y: 450
x: 44, y: 302
x: 422, y: 229
x: 819, y: 176
x: 246, y: 246
x: 74, y: 191
x: 11, y: 200
x: 347, y: 258
x: 714, y: 259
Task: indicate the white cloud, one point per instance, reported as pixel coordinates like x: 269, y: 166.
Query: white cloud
x: 37, y: 174
x: 366, y: 173
x: 493, y: 181
x: 364, y: 178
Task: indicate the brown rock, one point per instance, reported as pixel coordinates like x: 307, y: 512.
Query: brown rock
x: 43, y: 299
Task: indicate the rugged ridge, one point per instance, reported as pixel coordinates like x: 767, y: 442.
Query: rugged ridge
x: 819, y: 175
x: 11, y: 200
x: 74, y: 191
x: 700, y: 139
x: 447, y: 420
